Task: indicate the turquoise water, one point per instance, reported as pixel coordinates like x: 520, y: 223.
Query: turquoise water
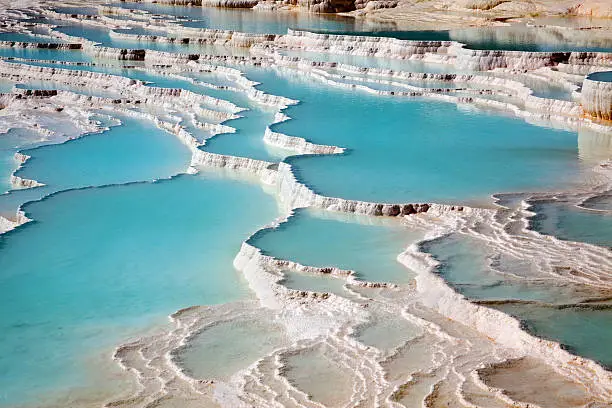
x: 88, y: 11
x: 144, y: 151
x: 10, y: 143
x: 569, y: 222
x: 6, y: 86
x: 387, y: 332
x: 107, y: 263
x: 602, y: 202
x: 93, y: 33
x: 417, y: 150
x: 250, y: 127
x: 353, y: 243
x: 99, y: 266
x: 248, y: 139
x: 135, y: 151
x: 44, y: 54
x: 604, y: 76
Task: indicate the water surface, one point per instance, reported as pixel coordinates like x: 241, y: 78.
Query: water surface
x: 135, y: 151
x: 245, y: 20
x: 568, y: 222
x: 476, y: 273
x: 99, y: 265
x: 355, y: 243
x: 410, y: 150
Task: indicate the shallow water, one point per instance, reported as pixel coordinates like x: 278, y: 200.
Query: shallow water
x: 585, y: 331
x: 227, y: 347
x: 472, y: 271
x: 248, y: 139
x: 387, y: 332
x: 6, y: 86
x: 331, y: 386
x: 406, y: 149
x: 45, y: 54
x: 566, y: 221
x: 353, y: 243
x: 602, y: 202
x: 605, y: 76
x: 99, y: 266
x: 110, y: 262
x: 480, y: 273
x: 24, y: 37
x: 532, y: 381
x: 87, y: 11
x: 314, y: 282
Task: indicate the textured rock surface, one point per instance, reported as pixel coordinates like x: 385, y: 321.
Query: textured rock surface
x: 212, y: 3
x: 594, y: 8
x: 465, y: 336
x: 448, y: 14
x: 597, y: 98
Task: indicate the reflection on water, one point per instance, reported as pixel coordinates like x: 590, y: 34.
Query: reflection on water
x: 246, y: 20
x: 516, y: 37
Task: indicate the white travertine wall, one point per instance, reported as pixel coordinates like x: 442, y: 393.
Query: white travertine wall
x: 597, y: 96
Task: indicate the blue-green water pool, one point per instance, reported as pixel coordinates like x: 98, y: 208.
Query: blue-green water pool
x: 99, y: 265
x: 370, y: 248
x: 416, y: 149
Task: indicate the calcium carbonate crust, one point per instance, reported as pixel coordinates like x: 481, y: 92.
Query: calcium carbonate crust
x: 312, y: 319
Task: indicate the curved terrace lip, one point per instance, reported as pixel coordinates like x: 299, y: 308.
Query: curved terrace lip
x: 264, y: 273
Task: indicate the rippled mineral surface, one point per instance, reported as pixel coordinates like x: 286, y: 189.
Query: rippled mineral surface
x: 250, y: 204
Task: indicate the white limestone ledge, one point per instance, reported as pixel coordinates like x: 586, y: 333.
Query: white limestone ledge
x: 294, y: 194
x: 597, y: 95
x: 298, y: 145
x: 19, y: 183
x: 201, y: 37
